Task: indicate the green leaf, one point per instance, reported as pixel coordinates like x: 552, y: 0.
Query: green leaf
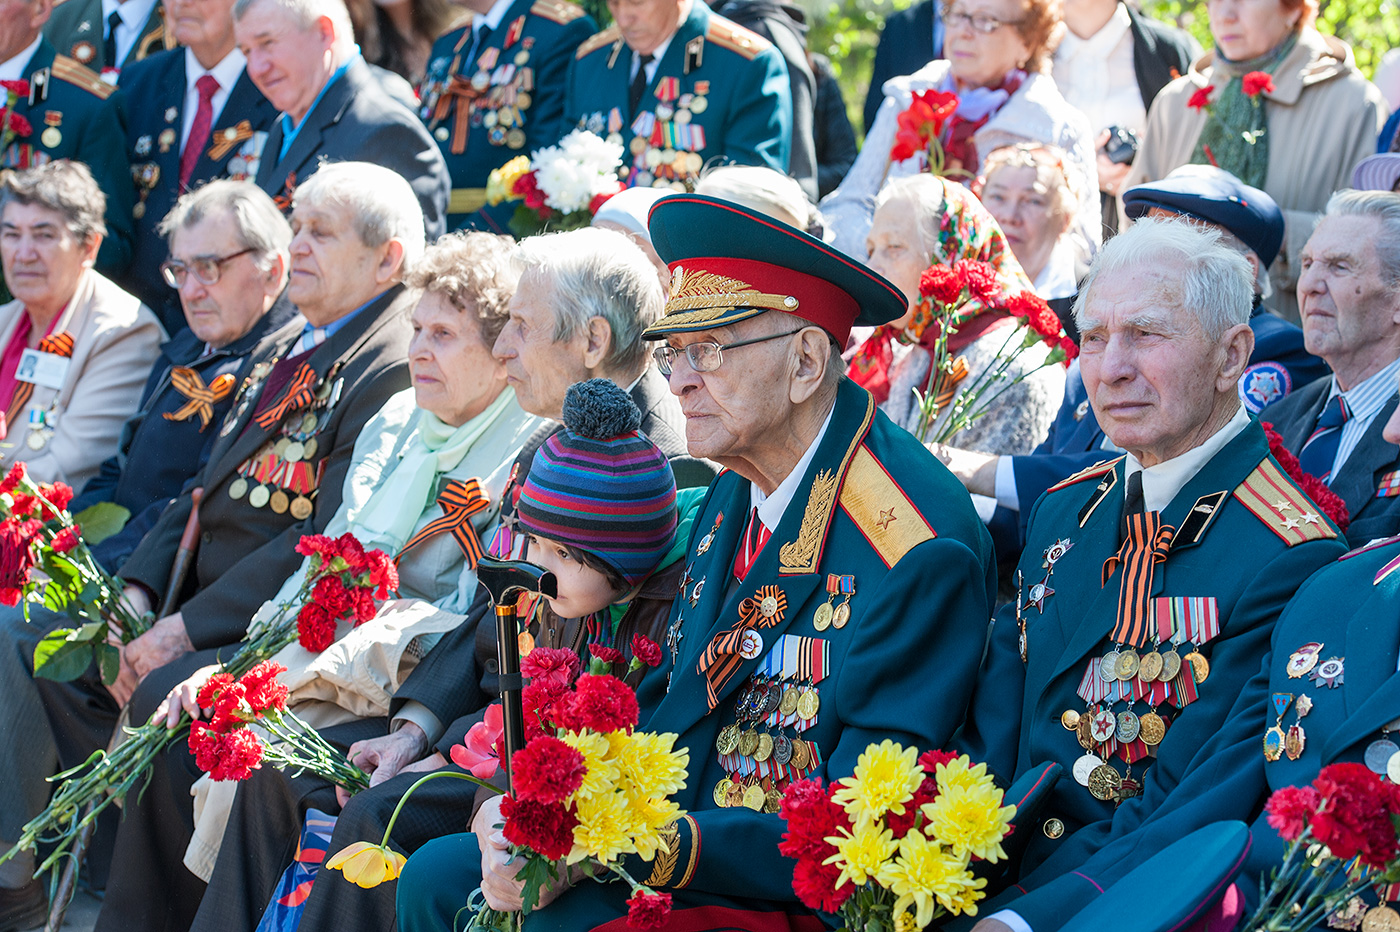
x: 108, y: 661
x: 101, y: 521
x: 61, y: 656
x: 536, y: 873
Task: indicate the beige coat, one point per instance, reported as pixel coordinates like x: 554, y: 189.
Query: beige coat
x: 1324, y: 117
x: 116, y: 340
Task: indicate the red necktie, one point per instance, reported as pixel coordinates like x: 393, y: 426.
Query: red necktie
x: 208, y: 86
x: 755, y: 536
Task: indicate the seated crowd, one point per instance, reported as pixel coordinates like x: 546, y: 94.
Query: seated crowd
x: 1088, y: 513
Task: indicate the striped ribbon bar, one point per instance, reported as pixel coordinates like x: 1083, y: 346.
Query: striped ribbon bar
x: 1145, y: 545
x: 459, y: 501
x: 721, y: 657
x: 299, y: 394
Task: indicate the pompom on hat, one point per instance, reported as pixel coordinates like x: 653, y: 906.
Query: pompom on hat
x: 600, y: 485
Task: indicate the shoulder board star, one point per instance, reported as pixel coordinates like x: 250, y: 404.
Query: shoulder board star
x: 881, y: 509
x: 1268, y: 493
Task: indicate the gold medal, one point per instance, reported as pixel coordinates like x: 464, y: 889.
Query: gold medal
x: 748, y: 743
x: 1128, y: 665
x: 1069, y: 719
x: 1273, y: 743
x: 754, y: 798
x: 238, y: 488
x: 764, y: 749
x: 258, y: 497
x: 822, y: 619
x: 772, y: 801
x: 308, y: 423
x: 841, y: 615
x: 1301, y: 661
x: 808, y: 704
x: 1293, y: 742
x: 279, y: 448
x: 279, y: 502
x: 768, y: 607
x: 301, y: 508
x: 801, y: 754
x: 722, y: 792
x: 788, y: 704
x: 1104, y: 782
x: 1084, y: 731
x: 51, y: 137
x: 728, y: 739
x: 1381, y: 919
x: 1150, y: 667
x: 309, y: 448
x: 515, y: 139
x: 734, y: 796
x: 1151, y: 729
x: 1200, y: 666
x: 698, y: 105
x: 523, y: 101
x: 36, y: 440
x: 1171, y: 666
x: 294, y: 452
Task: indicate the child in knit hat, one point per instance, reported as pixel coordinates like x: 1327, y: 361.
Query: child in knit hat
x: 600, y: 509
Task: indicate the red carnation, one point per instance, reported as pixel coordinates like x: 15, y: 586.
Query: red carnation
x: 815, y: 885
x: 1290, y: 808
x: 365, y: 606
x: 527, y: 186
x: 547, y: 770
x: 18, y: 88
x: 58, y: 495
x: 1355, y: 814
x: 550, y: 665
x: 981, y: 280
x: 1258, y: 82
x: 225, y: 756
x: 606, y: 654
x: 648, y: 910
x: 315, y: 544
x: 545, y: 828
x: 646, y: 650
x: 66, y: 539
x: 602, y: 703
x: 1069, y: 348
x: 262, y: 689
x: 329, y: 593
x: 17, y: 122
x: 906, y: 143
x: 383, y: 575
x: 811, y: 818
x: 929, y: 760
x: 1200, y: 98
x: 941, y: 284
x: 210, y: 691
x: 601, y: 198
x: 1037, y: 313
x: 12, y: 479
x: 16, y: 559
x: 315, y: 628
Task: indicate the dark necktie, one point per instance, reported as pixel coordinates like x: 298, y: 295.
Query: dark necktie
x: 638, y: 85
x: 1132, y: 503
x: 479, y: 39
x: 1320, y: 450
x: 109, y: 44
x: 208, y: 86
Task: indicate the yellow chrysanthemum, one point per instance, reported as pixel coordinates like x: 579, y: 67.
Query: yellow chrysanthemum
x: 500, y: 184
x: 905, y: 922
x: 885, y: 779
x: 602, y: 772
x: 366, y: 864
x: 970, y: 819
x: 861, y: 854
x: 648, y: 762
x: 923, y: 876
x: 960, y: 772
x: 604, y: 828
x: 963, y: 895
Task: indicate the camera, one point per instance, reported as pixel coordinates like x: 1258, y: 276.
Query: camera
x: 1122, y: 145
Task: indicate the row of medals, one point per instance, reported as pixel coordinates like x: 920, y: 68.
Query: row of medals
x: 301, y: 445
x: 1096, y: 725
x: 760, y: 699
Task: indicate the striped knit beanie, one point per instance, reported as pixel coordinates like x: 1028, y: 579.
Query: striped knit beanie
x: 600, y: 485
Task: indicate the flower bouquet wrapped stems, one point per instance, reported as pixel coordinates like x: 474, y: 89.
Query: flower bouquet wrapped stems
x: 36, y: 531
x: 588, y: 789
x: 892, y: 847
x: 559, y: 187
x: 1341, y: 832
x: 342, y: 581
x: 955, y: 295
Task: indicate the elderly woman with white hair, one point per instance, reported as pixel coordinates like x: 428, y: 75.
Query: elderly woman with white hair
x: 1027, y: 190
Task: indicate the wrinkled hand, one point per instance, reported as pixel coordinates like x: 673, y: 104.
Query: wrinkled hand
x: 166, y: 640
x: 976, y: 471
x: 126, y: 682
x: 182, y: 698
x: 500, y: 882
x: 384, y: 757
x: 1111, y: 174
x: 433, y: 761
x: 138, y: 600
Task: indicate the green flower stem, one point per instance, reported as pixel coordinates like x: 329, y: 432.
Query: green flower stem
x: 388, y: 829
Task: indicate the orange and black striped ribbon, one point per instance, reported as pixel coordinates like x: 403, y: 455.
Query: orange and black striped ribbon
x: 1145, y: 545
x: 299, y: 394
x: 721, y: 657
x: 59, y: 344
x: 951, y: 381
x: 461, y: 90
x: 289, y: 187
x: 459, y: 501
x: 202, y: 398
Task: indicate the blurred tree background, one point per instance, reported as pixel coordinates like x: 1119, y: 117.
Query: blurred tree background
x: 846, y: 31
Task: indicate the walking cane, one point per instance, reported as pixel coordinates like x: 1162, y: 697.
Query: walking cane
x: 179, y: 569
x: 505, y: 580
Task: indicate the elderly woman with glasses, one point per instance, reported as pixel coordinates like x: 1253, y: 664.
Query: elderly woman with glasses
x: 75, y: 349
x: 996, y: 53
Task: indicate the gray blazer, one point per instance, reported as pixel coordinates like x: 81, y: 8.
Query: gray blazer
x: 356, y: 121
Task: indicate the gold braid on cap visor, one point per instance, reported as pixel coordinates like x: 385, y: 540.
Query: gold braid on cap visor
x: 697, y: 297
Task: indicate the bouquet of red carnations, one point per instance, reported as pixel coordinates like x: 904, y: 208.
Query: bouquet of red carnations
x: 587, y: 787
x: 343, y: 582
x: 37, y: 532
x: 892, y: 846
x: 1341, y: 832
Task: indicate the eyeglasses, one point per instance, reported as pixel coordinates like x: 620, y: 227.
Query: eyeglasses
x: 705, y: 357
x: 982, y: 22
x: 206, y: 269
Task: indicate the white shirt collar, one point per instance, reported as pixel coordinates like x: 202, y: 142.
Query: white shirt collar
x: 13, y: 69
x: 493, y: 17
x: 772, y: 507
x: 134, y: 13
x: 656, y: 56
x: 1369, y: 395
x: 226, y: 72
x: 1161, y: 483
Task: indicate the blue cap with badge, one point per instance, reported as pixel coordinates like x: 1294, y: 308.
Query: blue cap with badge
x: 1214, y: 196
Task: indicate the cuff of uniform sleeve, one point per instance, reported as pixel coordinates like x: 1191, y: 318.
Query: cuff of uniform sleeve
x: 1006, y: 484
x: 673, y: 867
x: 419, y: 714
x: 1010, y: 917
x: 985, y: 507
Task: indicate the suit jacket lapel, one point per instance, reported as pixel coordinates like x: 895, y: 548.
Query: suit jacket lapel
x: 1356, y: 482
x: 327, y: 113
x: 172, y: 95
x: 1314, y: 398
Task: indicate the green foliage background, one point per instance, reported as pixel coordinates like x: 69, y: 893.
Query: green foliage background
x: 846, y: 31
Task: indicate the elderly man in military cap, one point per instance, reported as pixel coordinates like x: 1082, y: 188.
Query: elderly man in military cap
x: 680, y: 87
x: 826, y: 503
x: 1151, y: 582
x: 1250, y: 223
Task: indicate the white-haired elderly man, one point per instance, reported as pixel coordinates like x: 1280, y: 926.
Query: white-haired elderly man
x: 302, y: 55
x: 356, y: 229
x: 1149, y: 584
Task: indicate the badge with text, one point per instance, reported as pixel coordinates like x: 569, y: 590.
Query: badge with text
x: 46, y: 369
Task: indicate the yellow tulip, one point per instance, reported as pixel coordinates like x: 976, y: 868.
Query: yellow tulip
x: 367, y: 865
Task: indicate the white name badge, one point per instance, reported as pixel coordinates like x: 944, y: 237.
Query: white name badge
x: 46, y: 369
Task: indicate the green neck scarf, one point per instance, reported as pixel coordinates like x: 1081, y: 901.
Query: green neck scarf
x: 1236, y: 136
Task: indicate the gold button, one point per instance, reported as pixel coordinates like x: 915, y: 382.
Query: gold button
x: 1053, y: 828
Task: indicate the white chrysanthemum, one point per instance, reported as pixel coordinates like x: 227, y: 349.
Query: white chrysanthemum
x: 571, y: 173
